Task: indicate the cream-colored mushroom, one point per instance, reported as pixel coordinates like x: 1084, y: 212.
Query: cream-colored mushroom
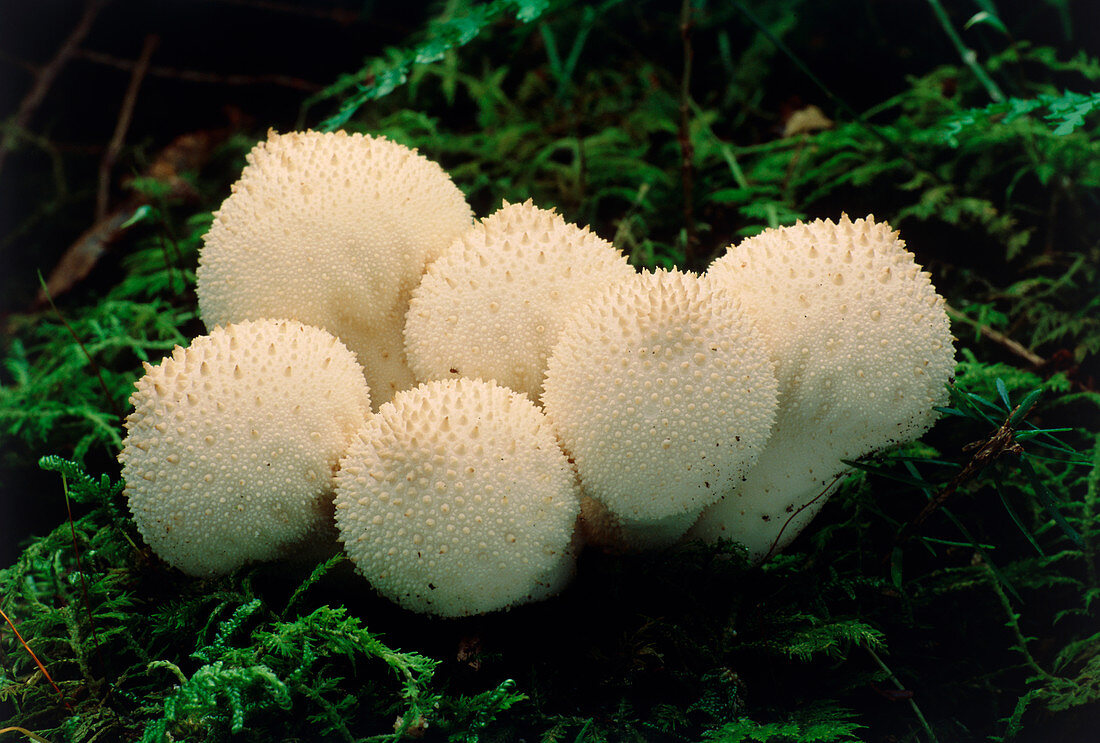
x: 493, y: 305
x: 231, y: 446
x: 662, y: 392
x: 862, y: 350
x: 455, y: 499
x: 333, y: 230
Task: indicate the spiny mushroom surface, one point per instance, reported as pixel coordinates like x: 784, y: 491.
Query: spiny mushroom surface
x: 494, y: 303
x: 455, y: 499
x: 333, y: 230
x: 662, y: 392
x: 231, y: 446
x: 863, y: 352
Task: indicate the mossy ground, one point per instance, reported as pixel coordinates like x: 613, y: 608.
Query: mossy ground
x: 979, y: 623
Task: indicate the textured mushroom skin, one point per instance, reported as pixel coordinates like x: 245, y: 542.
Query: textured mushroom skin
x: 863, y: 354
x: 493, y: 305
x: 455, y: 499
x: 662, y: 392
x: 232, y: 443
x: 333, y: 230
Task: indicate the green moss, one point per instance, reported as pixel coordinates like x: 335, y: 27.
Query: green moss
x: 978, y: 622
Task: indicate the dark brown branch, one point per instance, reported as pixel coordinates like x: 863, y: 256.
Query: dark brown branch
x: 45, y: 75
x: 1002, y: 340
x: 185, y: 153
x: 986, y: 452
x: 195, y: 76
x: 825, y: 492
x: 125, y: 114
x: 687, y: 168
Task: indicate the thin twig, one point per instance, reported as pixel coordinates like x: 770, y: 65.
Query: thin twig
x: 687, y: 162
x: 45, y: 75
x: 823, y: 494
x: 197, y: 76
x: 37, y: 662
x: 125, y: 114
x: 33, y: 736
x: 986, y: 452
x: 1013, y: 623
x: 901, y: 687
x: 1000, y: 339
x: 969, y: 56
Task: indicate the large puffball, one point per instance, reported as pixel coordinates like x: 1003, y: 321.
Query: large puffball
x: 494, y: 303
x: 862, y: 350
x: 455, y: 499
x: 232, y: 444
x: 333, y: 230
x: 662, y: 391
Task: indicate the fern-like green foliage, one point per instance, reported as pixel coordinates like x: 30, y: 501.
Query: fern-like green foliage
x: 1065, y: 111
x: 978, y: 622
x: 444, y: 34
x: 743, y: 731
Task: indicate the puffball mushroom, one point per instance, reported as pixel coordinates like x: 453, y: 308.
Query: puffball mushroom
x: 231, y: 446
x: 662, y: 392
x: 863, y: 352
x: 455, y: 499
x: 333, y: 230
x: 494, y: 303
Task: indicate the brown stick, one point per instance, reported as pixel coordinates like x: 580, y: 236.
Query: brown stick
x: 687, y: 168
x: 986, y: 452
x: 23, y: 731
x: 1000, y: 339
x: 125, y: 115
x: 37, y: 662
x: 196, y: 76
x: 45, y: 75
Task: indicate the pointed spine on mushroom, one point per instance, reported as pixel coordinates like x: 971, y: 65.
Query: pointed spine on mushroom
x: 662, y: 392
x: 231, y: 446
x: 333, y: 230
x: 494, y: 303
x: 863, y: 353
x: 455, y: 499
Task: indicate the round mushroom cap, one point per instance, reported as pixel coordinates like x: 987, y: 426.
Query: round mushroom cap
x: 333, y: 230
x: 493, y: 305
x: 232, y: 444
x: 863, y: 353
x: 455, y: 499
x: 662, y: 392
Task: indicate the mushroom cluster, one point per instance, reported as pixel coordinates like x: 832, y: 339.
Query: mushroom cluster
x: 531, y: 392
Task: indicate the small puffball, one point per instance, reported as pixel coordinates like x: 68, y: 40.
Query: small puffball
x: 662, y: 392
x: 455, y: 499
x: 231, y: 446
x: 863, y: 353
x: 493, y: 305
x: 333, y: 230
